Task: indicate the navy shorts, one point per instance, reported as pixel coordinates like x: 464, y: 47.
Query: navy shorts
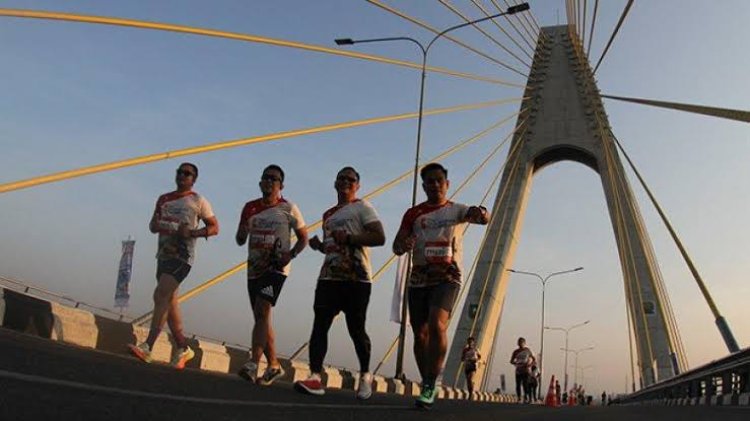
x: 174, y: 267
x: 422, y: 298
x: 267, y: 287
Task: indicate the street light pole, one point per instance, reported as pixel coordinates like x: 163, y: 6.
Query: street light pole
x: 541, y: 334
x: 567, y: 331
x: 576, y: 351
x: 348, y: 41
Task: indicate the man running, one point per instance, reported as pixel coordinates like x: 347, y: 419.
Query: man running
x: 344, y: 284
x: 433, y: 231
x: 470, y: 356
x: 175, y: 219
x: 267, y: 223
x: 522, y: 358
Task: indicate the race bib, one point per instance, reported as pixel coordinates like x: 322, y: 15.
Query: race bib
x: 262, y: 239
x: 438, y: 252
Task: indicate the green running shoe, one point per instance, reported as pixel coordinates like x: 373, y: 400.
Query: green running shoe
x: 427, y: 397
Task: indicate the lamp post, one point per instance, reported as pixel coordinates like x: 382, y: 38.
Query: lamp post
x: 567, y: 331
x: 349, y: 41
x: 544, y: 283
x: 576, y: 351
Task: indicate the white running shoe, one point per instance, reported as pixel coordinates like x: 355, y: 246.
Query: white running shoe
x: 365, y: 386
x: 270, y: 375
x: 249, y: 371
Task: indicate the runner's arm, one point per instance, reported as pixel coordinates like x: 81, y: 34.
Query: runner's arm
x: 372, y: 237
x: 301, y: 241
x: 211, y: 228
x: 477, y: 215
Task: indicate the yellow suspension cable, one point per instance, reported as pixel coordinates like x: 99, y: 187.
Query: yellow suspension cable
x: 490, y: 37
x: 583, y: 25
x: 507, y: 18
x: 511, y: 37
x: 436, y: 31
x: 614, y: 33
x: 145, y: 159
x: 242, y: 265
x: 70, y: 17
x: 593, y: 23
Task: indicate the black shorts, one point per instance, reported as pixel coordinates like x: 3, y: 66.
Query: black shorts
x: 470, y: 366
x: 174, y: 267
x: 351, y: 297
x: 422, y: 298
x: 267, y: 286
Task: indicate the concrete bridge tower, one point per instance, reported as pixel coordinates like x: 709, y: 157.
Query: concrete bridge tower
x: 562, y: 118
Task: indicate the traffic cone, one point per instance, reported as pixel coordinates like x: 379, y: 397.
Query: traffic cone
x: 551, y: 398
x: 572, y: 399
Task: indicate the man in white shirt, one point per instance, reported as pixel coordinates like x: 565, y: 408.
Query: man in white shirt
x: 266, y: 224
x: 345, y: 280
x: 433, y: 232
x: 175, y: 219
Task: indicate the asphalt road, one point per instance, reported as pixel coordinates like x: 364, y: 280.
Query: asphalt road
x: 42, y: 379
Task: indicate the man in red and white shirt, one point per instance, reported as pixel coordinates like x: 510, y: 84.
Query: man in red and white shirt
x: 345, y: 280
x: 175, y: 219
x: 266, y: 225
x: 433, y: 232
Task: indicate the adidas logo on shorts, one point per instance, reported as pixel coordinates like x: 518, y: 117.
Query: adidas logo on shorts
x: 267, y: 291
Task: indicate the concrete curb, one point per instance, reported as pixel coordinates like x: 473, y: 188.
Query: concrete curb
x: 55, y: 321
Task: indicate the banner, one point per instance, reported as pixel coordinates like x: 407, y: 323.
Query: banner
x: 122, y: 296
x: 398, y: 289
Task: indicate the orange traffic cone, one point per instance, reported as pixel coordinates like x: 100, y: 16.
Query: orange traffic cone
x: 551, y: 398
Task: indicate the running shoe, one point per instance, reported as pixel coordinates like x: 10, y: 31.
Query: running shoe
x: 142, y: 351
x: 249, y: 371
x: 365, y: 386
x: 182, y: 356
x: 312, y: 385
x: 427, y: 397
x: 270, y: 375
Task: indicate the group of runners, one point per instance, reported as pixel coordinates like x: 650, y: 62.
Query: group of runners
x: 432, y: 232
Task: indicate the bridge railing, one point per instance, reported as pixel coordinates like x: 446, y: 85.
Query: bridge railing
x: 721, y: 381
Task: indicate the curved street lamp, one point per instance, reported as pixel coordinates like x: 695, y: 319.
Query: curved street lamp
x: 349, y: 41
x: 567, y: 331
x: 544, y: 283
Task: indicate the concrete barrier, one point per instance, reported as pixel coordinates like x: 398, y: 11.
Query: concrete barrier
x: 334, y: 379
x: 73, y: 326
x: 210, y: 356
x: 395, y: 386
x: 162, y: 349
x: 379, y: 384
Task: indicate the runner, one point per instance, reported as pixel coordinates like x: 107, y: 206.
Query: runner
x: 470, y: 356
x: 523, y: 359
x: 433, y: 231
x: 175, y: 219
x: 344, y: 284
x: 267, y: 223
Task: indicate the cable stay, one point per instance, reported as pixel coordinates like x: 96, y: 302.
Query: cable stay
x: 534, y: 22
x: 721, y: 323
x: 512, y: 38
x: 70, y: 17
x: 593, y: 23
x: 436, y: 31
x: 525, y: 21
x: 738, y: 115
x: 614, y: 33
x: 519, y: 20
x: 407, y: 174
x: 507, y: 18
x: 583, y: 26
x: 145, y: 159
x: 393, y: 257
x: 490, y: 37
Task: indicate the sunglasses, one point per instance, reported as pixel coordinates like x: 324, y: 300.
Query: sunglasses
x: 345, y: 178
x: 271, y: 178
x: 185, y: 173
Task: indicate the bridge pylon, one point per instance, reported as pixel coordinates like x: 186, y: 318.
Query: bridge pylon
x: 563, y: 118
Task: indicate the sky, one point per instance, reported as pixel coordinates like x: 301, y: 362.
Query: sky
x: 77, y: 94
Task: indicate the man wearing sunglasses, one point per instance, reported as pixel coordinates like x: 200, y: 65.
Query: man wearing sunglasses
x: 433, y: 232
x: 176, y: 219
x: 344, y: 284
x: 266, y: 225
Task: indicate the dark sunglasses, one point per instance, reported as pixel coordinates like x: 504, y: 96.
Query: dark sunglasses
x: 345, y: 178
x: 271, y: 178
x: 185, y: 173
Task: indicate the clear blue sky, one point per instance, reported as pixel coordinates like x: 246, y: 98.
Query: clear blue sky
x: 80, y: 94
